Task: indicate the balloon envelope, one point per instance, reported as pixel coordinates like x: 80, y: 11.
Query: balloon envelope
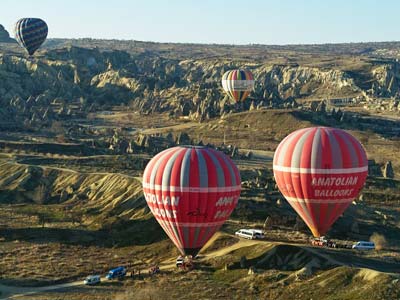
x: 30, y: 33
x: 191, y: 191
x: 320, y: 171
x: 238, y: 84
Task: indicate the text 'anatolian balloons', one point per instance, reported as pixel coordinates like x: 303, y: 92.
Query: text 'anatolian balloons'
x: 191, y: 191
x: 320, y: 171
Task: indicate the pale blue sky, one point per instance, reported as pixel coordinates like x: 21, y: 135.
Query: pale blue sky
x: 214, y: 21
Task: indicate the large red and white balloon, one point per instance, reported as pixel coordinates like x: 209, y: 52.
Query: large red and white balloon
x: 191, y: 191
x: 320, y: 170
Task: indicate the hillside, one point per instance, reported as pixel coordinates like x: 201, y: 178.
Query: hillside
x: 80, y: 121
x: 5, y: 36
x: 70, y: 79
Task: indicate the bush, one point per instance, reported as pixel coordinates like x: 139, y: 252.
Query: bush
x: 379, y: 240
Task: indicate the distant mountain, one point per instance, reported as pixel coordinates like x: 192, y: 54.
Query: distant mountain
x: 5, y: 36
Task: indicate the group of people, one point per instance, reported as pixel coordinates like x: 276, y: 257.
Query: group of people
x: 135, y: 273
x: 154, y: 270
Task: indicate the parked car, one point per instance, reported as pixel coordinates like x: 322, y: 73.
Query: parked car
x: 361, y: 245
x: 116, y: 273
x: 331, y: 244
x: 92, y: 280
x: 323, y: 242
x: 251, y: 234
x: 259, y: 234
x: 180, y: 262
x: 320, y: 241
x: 185, y: 263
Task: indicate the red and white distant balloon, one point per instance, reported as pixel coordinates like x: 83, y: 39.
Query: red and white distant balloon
x: 320, y: 171
x: 191, y: 191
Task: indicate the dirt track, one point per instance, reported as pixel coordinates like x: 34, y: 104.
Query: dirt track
x: 13, y: 292
x: 334, y: 256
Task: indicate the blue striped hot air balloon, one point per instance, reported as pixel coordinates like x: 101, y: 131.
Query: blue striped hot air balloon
x: 30, y: 33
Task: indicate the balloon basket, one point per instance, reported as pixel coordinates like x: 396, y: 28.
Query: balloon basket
x: 187, y: 264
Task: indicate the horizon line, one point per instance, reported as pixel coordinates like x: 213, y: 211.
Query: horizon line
x: 223, y: 44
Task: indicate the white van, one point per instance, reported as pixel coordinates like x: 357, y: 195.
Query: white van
x: 364, y: 246
x: 92, y: 280
x: 250, y: 234
x: 259, y: 234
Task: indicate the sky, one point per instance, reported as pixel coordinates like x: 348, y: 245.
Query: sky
x: 213, y: 21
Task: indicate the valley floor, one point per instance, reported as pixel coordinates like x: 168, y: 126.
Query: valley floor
x: 65, y: 214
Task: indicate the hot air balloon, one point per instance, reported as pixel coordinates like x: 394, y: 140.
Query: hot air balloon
x: 320, y: 170
x: 30, y: 33
x: 238, y: 84
x: 191, y: 191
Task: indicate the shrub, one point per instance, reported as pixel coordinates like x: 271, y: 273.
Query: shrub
x: 379, y: 240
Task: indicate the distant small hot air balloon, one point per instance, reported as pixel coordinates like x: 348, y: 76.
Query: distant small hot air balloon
x: 191, y: 191
x: 320, y: 170
x: 30, y: 33
x: 238, y: 84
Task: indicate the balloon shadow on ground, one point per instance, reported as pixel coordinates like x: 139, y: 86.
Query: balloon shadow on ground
x: 125, y: 233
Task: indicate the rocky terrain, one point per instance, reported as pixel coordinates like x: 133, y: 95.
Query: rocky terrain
x: 83, y: 79
x: 80, y: 121
x: 5, y: 36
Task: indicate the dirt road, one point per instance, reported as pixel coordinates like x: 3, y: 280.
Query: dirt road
x: 13, y: 292
x: 335, y: 256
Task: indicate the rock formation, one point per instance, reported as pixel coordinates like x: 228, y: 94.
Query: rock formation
x: 5, y: 36
x: 189, y: 88
x: 374, y: 169
x: 388, y: 170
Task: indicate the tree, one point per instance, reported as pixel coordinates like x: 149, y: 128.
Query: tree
x: 268, y: 223
x: 42, y: 219
x: 242, y: 212
x: 76, y: 217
